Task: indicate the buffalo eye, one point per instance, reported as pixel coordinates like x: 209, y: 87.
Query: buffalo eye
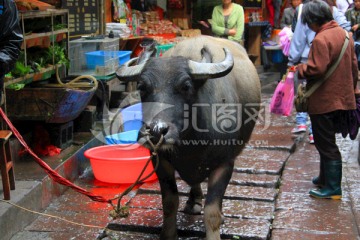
x: 186, y: 86
x: 142, y: 88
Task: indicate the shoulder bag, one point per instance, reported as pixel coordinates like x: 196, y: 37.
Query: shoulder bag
x: 301, y: 99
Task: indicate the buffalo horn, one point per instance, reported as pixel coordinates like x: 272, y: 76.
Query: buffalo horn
x: 203, y: 71
x: 129, y: 73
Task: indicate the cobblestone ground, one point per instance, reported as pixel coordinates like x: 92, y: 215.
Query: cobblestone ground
x: 266, y: 199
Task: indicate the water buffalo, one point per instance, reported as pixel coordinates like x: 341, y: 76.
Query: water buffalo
x: 210, y: 85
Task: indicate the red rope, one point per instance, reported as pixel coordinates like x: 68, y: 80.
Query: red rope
x: 52, y: 174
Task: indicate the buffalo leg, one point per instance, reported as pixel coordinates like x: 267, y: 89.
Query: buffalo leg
x: 194, y: 203
x: 170, y: 200
x: 218, y: 181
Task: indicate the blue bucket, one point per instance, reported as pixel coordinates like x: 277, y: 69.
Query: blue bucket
x: 277, y: 56
x: 132, y: 117
x: 127, y: 137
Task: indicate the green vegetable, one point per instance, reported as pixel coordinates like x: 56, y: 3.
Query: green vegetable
x: 16, y: 86
x: 59, y: 52
x: 59, y: 26
x: 8, y: 75
x: 20, y: 70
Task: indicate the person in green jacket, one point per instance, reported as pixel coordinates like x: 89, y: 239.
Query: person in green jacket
x: 228, y: 21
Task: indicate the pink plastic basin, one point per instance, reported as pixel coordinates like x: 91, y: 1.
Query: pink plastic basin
x: 120, y: 163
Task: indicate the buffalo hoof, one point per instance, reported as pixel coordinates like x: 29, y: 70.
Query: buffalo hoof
x: 193, y: 208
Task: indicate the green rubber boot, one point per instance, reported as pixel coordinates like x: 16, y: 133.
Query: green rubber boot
x: 332, y: 187
x: 316, y: 181
x: 320, y: 180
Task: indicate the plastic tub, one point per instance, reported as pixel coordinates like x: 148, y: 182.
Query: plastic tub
x: 106, y: 58
x: 132, y: 117
x: 123, y: 137
x: 132, y: 120
x: 120, y: 163
x: 135, y: 107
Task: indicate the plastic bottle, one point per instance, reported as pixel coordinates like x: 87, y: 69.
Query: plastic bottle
x: 129, y: 17
x: 134, y: 25
x: 122, y: 11
x: 138, y: 27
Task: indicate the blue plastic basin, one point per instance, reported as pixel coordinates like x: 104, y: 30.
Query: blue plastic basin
x: 100, y: 58
x: 127, y: 137
x: 132, y: 117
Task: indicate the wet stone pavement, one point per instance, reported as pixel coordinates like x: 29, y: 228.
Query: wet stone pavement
x: 267, y: 197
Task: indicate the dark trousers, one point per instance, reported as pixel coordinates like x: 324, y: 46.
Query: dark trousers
x: 357, y: 52
x: 323, y: 126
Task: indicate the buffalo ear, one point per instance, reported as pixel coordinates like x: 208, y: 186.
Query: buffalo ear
x: 206, y: 55
x: 205, y: 58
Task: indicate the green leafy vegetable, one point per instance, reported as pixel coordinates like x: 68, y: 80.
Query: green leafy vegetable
x: 59, y: 26
x: 20, y: 70
x: 59, y: 52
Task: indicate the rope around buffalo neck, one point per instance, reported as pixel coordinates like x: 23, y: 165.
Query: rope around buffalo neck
x: 123, y: 211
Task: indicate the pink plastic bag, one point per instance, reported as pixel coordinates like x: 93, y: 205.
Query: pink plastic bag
x: 282, y: 101
x: 285, y: 36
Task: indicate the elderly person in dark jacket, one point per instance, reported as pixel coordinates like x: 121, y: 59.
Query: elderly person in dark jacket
x: 337, y: 93
x: 10, y: 38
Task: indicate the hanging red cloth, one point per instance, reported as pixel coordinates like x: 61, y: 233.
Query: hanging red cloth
x: 270, y: 7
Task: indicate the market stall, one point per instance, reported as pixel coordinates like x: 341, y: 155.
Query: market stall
x: 89, y: 37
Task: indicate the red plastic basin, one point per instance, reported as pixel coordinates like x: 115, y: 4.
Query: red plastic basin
x: 120, y: 163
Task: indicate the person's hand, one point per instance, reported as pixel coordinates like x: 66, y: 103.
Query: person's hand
x: 355, y: 27
x: 232, y: 32
x: 204, y: 24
